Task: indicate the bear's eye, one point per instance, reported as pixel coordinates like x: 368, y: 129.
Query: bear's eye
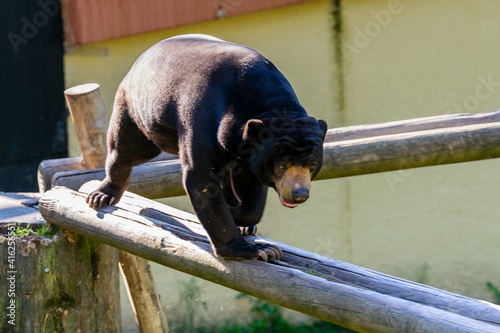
x: 281, y: 166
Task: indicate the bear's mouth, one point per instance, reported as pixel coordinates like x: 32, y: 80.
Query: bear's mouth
x: 288, y: 203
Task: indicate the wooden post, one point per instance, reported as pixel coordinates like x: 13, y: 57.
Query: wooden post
x: 331, y: 290
x: 146, y: 302
x: 51, y: 282
x: 90, y: 120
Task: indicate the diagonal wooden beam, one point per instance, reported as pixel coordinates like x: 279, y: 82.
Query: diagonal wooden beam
x: 331, y: 290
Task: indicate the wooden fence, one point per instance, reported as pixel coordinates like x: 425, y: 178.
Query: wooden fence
x: 332, y: 290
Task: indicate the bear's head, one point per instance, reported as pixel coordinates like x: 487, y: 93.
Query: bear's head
x: 285, y: 154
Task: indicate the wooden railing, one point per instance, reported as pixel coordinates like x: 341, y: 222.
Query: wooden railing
x: 329, y: 289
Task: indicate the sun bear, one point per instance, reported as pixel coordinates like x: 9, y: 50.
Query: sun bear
x: 236, y: 124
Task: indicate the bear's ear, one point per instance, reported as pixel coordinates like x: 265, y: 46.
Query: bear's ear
x: 323, y: 126
x: 252, y: 128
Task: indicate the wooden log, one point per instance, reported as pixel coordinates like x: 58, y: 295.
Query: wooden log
x: 365, y: 301
x: 91, y: 122
x: 89, y: 117
x: 341, y: 159
x: 411, y: 150
x: 50, y: 282
x: 48, y: 168
x: 158, y: 179
x: 146, y: 302
x: 410, y: 125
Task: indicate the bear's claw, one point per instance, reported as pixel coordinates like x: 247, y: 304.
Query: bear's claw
x: 268, y: 251
x: 99, y: 199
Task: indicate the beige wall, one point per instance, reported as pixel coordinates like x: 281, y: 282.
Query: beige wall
x: 437, y: 225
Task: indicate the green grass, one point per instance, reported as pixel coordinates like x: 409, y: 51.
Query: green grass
x: 267, y: 317
x: 495, y: 290
x: 44, y: 230
x: 263, y: 317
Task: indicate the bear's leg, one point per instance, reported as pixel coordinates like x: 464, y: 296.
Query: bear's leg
x: 127, y: 147
x: 213, y: 212
x: 250, y: 195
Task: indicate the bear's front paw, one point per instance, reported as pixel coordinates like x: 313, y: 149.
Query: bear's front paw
x: 106, y: 194
x: 239, y: 248
x: 98, y: 199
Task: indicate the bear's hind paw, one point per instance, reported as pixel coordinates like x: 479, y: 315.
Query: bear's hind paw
x: 268, y: 251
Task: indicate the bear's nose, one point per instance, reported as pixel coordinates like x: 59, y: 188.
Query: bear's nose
x: 300, y: 195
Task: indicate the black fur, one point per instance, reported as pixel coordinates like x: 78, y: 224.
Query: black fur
x: 229, y: 113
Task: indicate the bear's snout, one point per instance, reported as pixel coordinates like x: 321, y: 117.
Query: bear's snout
x: 293, y: 186
x: 300, y: 195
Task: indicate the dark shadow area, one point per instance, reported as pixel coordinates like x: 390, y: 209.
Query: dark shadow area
x: 32, y: 111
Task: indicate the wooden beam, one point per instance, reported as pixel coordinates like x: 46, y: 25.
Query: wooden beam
x: 145, y: 301
x: 90, y: 120
x: 341, y: 158
x: 331, y: 290
x: 49, y: 168
x: 411, y: 150
x: 410, y: 125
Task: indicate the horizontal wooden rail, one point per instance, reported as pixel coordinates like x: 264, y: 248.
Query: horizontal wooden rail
x: 411, y: 125
x: 68, y: 167
x: 332, y: 290
x: 162, y: 178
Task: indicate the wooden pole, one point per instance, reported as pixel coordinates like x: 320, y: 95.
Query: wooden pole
x: 146, y: 302
x: 340, y: 158
x: 410, y: 125
x: 411, y: 150
x: 365, y: 301
x: 48, y: 168
x: 90, y: 120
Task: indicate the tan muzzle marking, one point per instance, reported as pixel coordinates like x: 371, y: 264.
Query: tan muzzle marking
x: 293, y: 187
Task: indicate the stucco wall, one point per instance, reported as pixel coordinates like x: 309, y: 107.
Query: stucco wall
x: 401, y: 59
x: 407, y: 59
